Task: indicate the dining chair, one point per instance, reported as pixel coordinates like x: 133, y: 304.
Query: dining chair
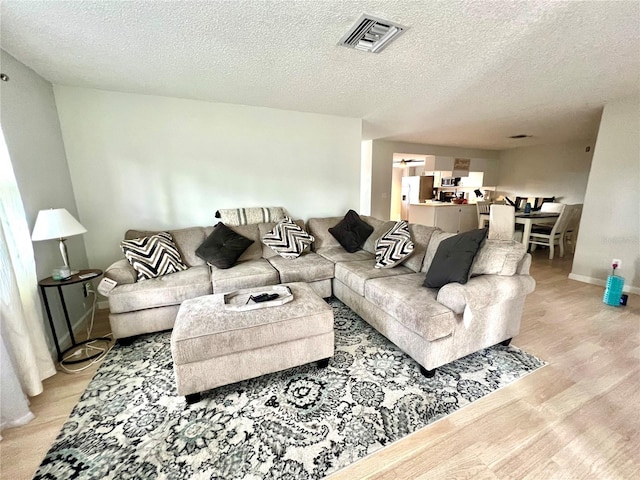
x: 482, y: 207
x: 540, y: 236
x: 547, y: 207
x: 521, y: 202
x: 502, y: 219
x: 539, y: 201
x: 571, y: 233
x: 550, y: 207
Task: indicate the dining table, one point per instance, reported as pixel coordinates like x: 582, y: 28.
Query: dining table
x: 528, y: 220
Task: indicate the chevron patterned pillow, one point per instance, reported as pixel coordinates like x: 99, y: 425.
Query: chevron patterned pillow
x: 394, y: 247
x: 287, y: 239
x: 153, y: 256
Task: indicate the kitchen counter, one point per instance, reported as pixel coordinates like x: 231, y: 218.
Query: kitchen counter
x: 450, y: 217
x: 441, y: 204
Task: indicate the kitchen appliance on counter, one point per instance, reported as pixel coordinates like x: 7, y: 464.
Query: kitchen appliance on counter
x: 450, y: 181
x: 445, y: 196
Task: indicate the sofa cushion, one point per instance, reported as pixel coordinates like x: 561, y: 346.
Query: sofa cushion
x: 308, y: 267
x: 498, y: 257
x: 339, y: 254
x: 404, y: 298
x: 162, y: 291
x: 394, y: 246
x: 186, y: 239
x: 153, y: 256
x: 421, y: 235
x: 351, y: 232
x: 287, y: 239
x: 252, y: 273
x: 432, y: 247
x: 223, y: 247
x: 319, y: 228
x: 356, y: 273
x: 379, y: 229
x: 453, y: 259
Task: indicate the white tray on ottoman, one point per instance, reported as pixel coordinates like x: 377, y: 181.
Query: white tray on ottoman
x: 240, y: 300
x: 213, y: 346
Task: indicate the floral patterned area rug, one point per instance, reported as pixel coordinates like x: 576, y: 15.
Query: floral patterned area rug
x: 302, y: 423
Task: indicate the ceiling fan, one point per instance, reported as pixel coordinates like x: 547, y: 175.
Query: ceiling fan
x: 409, y: 162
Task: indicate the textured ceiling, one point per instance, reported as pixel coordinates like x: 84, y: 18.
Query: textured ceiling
x: 465, y: 73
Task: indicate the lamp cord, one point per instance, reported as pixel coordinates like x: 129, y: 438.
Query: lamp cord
x: 91, y: 346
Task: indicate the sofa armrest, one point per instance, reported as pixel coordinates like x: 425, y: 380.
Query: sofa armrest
x: 122, y: 272
x: 484, y: 290
x: 524, y: 265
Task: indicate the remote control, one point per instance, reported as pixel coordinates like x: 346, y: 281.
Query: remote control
x: 87, y: 275
x: 265, y: 297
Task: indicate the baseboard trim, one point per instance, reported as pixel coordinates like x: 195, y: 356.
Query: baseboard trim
x: 601, y: 283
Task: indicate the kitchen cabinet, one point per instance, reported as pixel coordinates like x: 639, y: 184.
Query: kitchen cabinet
x: 468, y: 218
x: 449, y: 217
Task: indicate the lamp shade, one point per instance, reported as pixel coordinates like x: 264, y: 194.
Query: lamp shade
x: 55, y: 223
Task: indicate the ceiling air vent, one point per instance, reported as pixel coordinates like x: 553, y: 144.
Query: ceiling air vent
x: 371, y: 34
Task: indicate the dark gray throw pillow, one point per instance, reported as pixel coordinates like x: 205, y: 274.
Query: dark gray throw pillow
x: 223, y: 247
x: 351, y: 232
x: 453, y: 259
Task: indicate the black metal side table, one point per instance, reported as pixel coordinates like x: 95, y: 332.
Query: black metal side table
x: 76, y: 278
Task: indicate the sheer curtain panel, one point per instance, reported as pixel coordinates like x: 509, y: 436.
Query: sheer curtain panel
x: 27, y: 360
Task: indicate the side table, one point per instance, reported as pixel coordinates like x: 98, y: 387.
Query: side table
x: 50, y: 282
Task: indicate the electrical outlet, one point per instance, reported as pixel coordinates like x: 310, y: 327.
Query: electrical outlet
x: 617, y: 261
x: 85, y: 289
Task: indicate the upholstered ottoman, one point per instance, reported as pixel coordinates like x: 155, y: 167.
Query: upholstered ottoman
x: 213, y: 346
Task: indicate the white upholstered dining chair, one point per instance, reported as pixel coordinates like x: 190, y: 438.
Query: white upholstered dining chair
x: 502, y: 222
x: 549, y: 238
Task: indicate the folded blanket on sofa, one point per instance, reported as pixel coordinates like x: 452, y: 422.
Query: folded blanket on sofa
x: 247, y: 216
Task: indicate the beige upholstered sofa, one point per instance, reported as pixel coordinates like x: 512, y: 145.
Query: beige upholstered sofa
x: 433, y: 326
x: 138, y: 307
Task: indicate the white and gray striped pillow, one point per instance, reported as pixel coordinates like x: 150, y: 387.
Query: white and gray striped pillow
x: 247, y: 216
x: 153, y: 256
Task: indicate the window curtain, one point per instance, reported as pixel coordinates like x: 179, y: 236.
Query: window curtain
x: 25, y: 356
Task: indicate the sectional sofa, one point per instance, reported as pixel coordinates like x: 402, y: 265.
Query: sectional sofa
x: 433, y: 326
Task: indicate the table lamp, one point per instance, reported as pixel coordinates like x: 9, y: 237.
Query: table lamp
x: 57, y: 223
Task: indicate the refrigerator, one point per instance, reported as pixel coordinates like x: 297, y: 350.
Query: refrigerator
x: 416, y: 189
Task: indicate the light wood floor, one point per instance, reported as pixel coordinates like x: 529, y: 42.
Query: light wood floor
x: 578, y: 417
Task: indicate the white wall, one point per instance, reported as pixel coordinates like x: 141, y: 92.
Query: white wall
x: 610, y: 226
x: 32, y: 132
x: 382, y: 168
x: 149, y: 162
x: 396, y: 192
x: 365, y: 177
x: 559, y: 171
